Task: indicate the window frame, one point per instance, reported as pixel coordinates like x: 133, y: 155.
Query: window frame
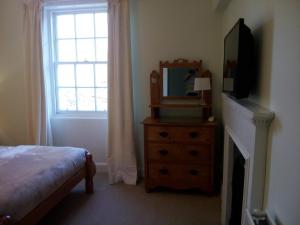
x: 51, y: 62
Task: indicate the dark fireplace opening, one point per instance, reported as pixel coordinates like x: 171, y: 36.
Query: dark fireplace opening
x: 237, y: 184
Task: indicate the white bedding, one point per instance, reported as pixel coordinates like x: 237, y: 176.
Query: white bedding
x: 29, y: 174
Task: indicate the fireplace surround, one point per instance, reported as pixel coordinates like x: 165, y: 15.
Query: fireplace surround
x: 246, y: 126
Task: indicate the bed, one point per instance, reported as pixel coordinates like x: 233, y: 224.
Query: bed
x: 33, y: 179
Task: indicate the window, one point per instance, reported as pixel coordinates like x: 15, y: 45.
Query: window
x: 78, y: 57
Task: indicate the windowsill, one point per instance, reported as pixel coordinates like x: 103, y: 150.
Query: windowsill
x: 97, y: 116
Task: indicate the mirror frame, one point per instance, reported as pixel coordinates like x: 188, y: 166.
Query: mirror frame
x: 179, y: 63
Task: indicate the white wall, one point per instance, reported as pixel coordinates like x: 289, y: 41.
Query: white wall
x: 276, y: 27
x: 219, y: 5
x: 13, y: 127
x: 284, y: 185
x: 89, y: 133
x: 166, y: 30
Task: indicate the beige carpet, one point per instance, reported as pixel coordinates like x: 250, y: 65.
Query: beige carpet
x: 130, y: 205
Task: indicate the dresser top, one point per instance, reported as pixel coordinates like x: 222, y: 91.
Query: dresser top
x: 178, y: 121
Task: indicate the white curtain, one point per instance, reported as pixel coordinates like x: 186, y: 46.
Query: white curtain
x: 121, y: 157
x: 38, y: 111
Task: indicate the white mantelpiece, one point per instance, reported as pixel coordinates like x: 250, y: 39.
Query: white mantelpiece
x: 245, y: 125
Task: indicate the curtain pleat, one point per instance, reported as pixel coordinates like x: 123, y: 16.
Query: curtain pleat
x: 121, y: 157
x: 38, y: 118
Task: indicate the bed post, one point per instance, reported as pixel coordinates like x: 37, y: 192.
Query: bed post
x: 5, y: 220
x: 90, y: 172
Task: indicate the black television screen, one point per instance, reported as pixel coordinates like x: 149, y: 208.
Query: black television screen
x: 238, y: 70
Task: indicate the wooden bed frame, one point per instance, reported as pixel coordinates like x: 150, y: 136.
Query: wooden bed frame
x: 33, y: 217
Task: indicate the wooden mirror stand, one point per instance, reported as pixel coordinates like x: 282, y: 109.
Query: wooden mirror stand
x: 156, y: 90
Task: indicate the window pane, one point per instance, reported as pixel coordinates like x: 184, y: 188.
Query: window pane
x: 65, y: 75
x: 84, y: 25
x: 101, y: 99
x: 67, y: 99
x: 101, y: 75
x: 80, y: 61
x: 65, y: 26
x: 66, y: 50
x: 85, y: 75
x: 86, y: 99
x: 85, y: 50
x: 101, y: 24
x: 101, y: 49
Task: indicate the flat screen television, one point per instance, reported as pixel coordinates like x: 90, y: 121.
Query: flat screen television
x: 238, y: 66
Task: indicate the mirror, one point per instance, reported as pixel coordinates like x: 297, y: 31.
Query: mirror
x: 178, y: 82
x: 178, y: 79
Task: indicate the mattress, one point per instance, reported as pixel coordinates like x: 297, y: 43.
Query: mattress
x: 29, y: 174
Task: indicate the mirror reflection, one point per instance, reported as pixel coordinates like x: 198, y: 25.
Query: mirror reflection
x: 179, y: 82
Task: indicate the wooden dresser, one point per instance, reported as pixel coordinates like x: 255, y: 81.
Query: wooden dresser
x: 179, y: 154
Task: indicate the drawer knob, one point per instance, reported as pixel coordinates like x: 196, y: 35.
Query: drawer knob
x: 194, y: 172
x: 163, y: 152
x: 163, y: 134
x: 194, y: 153
x: 193, y: 134
x: 164, y: 171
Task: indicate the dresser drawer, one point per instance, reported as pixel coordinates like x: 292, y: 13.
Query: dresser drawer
x: 201, y: 153
x: 181, y: 172
x: 163, y: 152
x: 158, y: 133
x: 169, y: 133
x: 179, y: 155
x: 193, y: 134
x: 195, y: 172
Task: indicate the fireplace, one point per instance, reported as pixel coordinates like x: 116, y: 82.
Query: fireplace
x: 245, y: 137
x: 237, y: 187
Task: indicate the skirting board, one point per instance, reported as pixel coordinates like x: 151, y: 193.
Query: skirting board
x: 101, y: 167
